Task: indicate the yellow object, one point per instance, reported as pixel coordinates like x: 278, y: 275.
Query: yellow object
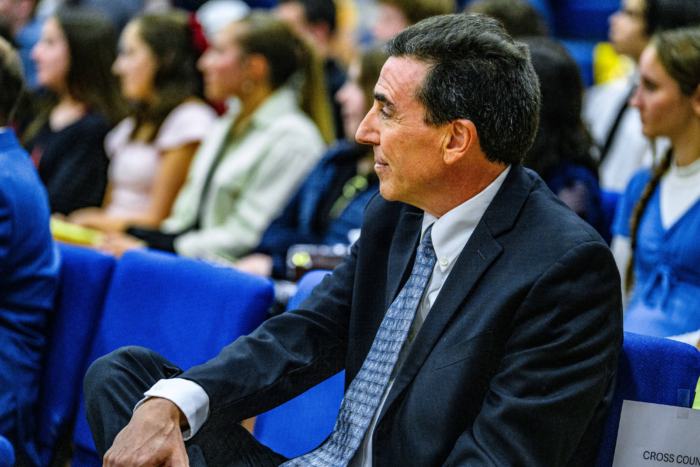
x: 72, y: 233
x: 608, y: 65
x: 696, y: 402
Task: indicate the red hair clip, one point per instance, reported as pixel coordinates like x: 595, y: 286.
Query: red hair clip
x: 199, y: 40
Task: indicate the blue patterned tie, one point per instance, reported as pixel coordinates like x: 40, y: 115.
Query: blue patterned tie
x: 365, y: 392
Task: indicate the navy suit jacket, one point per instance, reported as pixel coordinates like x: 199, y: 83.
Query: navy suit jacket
x: 514, y: 365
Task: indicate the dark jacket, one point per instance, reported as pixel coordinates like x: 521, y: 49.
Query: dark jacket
x: 514, y: 365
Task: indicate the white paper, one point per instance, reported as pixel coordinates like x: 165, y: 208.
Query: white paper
x: 657, y: 435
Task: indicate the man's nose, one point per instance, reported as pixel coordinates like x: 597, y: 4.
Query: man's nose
x: 366, y: 132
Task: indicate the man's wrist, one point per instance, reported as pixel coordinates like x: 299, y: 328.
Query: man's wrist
x: 169, y: 408
x: 190, y: 399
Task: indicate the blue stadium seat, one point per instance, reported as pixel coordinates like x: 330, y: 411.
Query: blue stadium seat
x: 582, y: 52
x: 583, y: 19
x: 7, y: 453
x: 651, y: 369
x: 84, y: 277
x: 303, y: 423
x: 161, y: 301
x: 610, y: 200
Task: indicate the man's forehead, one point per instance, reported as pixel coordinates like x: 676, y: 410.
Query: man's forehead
x: 400, y: 76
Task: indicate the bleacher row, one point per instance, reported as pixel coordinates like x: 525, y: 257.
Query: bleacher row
x: 188, y: 310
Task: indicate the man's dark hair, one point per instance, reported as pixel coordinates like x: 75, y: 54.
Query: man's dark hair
x: 476, y: 71
x: 318, y: 11
x: 519, y: 17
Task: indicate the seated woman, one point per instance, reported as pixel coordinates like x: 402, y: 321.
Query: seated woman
x: 29, y: 266
x: 151, y: 150
x: 659, y: 214
x: 330, y: 204
x: 561, y: 153
x: 254, y: 157
x: 66, y: 141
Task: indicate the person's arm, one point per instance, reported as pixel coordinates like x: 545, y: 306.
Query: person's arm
x: 152, y: 438
x: 559, y: 364
x: 622, y: 251
x: 171, y: 175
x: 284, y: 357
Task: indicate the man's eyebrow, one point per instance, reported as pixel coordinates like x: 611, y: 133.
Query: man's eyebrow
x: 384, y: 100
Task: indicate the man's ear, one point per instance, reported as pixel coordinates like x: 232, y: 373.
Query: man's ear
x: 460, y: 138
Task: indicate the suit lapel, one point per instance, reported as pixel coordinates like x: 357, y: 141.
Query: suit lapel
x: 401, y: 253
x: 479, y: 253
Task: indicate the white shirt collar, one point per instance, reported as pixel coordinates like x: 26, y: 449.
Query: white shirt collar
x: 452, y: 231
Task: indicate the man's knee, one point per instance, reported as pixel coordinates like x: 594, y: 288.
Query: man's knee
x: 109, y: 369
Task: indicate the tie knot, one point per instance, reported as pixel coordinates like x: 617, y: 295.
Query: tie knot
x: 426, y: 246
x: 428, y: 237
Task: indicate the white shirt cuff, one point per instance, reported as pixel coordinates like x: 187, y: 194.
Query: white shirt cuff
x: 188, y: 396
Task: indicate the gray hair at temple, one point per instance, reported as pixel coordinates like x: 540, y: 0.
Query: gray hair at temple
x: 11, y: 82
x: 476, y: 72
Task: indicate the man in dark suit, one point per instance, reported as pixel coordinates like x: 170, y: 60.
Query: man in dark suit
x: 477, y: 318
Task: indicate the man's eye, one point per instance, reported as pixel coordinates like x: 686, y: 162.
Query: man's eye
x: 383, y: 113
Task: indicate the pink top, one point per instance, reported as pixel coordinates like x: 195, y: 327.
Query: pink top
x: 134, y: 164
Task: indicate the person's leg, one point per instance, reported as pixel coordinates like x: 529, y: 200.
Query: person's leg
x: 225, y: 444
x: 116, y: 382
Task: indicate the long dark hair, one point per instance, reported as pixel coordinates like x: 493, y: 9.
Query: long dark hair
x: 92, y: 45
x: 286, y: 54
x: 663, y: 15
x: 561, y: 136
x: 678, y: 52
x: 170, y: 39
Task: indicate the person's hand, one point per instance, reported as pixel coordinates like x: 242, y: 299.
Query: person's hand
x: 153, y: 438
x: 256, y: 264
x: 117, y: 243
x: 87, y: 217
x: 95, y: 218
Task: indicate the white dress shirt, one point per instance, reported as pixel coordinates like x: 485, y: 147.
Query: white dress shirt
x: 450, y: 234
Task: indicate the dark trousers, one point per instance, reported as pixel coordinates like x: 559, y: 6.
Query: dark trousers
x: 115, y: 383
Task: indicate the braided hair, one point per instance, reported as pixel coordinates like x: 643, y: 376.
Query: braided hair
x: 638, y: 212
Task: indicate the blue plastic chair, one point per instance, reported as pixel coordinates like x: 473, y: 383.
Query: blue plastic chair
x: 583, y: 19
x: 303, y: 423
x: 187, y: 310
x: 84, y: 277
x: 582, y: 52
x: 7, y: 453
x: 610, y: 200
x: 653, y: 370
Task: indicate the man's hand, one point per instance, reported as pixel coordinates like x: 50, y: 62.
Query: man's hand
x: 151, y: 439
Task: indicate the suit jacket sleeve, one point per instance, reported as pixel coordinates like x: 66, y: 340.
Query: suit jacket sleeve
x: 556, y: 369
x: 273, y: 364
